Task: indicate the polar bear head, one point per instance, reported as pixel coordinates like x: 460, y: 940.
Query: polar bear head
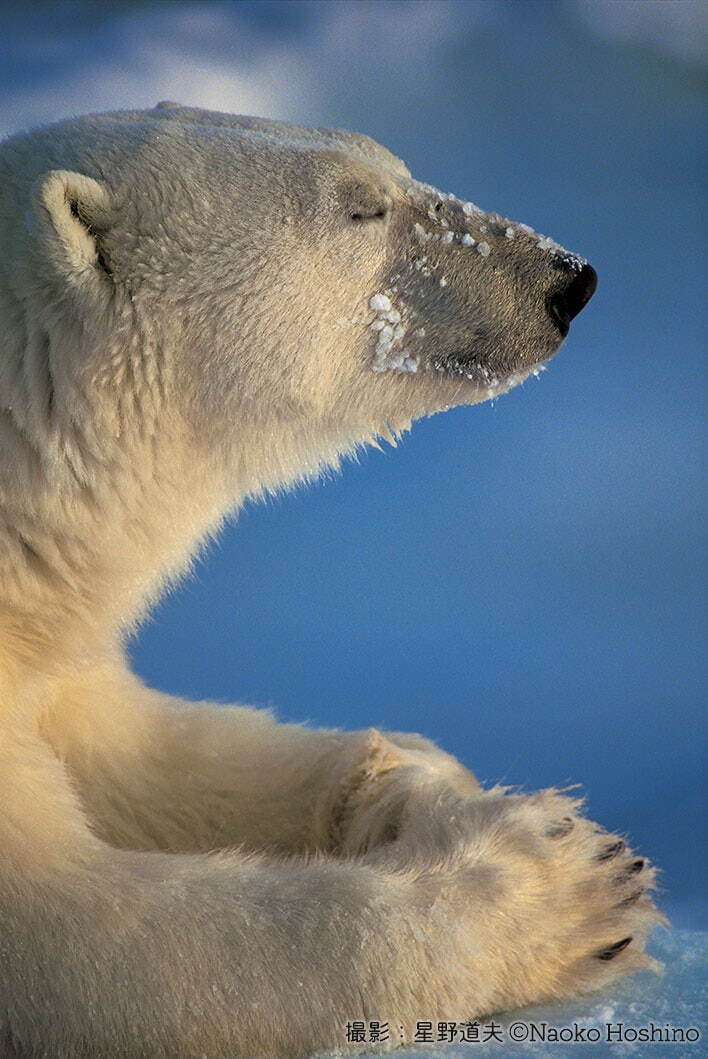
x: 189, y: 293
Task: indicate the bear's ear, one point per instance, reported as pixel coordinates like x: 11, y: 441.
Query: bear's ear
x: 73, y: 214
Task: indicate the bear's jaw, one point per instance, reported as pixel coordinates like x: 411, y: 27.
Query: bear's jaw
x: 487, y: 384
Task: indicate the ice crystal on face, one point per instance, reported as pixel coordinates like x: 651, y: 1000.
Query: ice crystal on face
x: 572, y: 261
x: 484, y: 249
x: 421, y: 235
x: 400, y: 361
x: 422, y: 194
x: 390, y: 331
x: 546, y: 243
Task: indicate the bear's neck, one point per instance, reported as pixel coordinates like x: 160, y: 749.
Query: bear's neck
x: 81, y: 563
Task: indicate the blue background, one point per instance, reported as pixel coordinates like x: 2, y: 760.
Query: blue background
x: 522, y: 582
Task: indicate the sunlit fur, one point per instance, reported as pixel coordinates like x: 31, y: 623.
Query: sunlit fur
x: 186, y: 316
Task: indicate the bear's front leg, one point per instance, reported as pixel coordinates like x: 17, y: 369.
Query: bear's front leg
x: 154, y: 772
x: 490, y: 901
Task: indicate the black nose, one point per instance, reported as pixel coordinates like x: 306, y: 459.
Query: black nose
x: 565, y: 304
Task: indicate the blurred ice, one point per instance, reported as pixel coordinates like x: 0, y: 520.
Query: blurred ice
x: 676, y: 998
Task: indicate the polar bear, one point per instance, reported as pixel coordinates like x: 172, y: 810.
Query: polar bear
x: 197, y: 308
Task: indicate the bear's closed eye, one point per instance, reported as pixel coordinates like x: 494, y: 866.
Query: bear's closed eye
x: 365, y: 215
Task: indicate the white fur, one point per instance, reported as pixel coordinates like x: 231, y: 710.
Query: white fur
x: 186, y: 303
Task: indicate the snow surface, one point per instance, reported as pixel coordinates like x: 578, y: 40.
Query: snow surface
x: 678, y: 997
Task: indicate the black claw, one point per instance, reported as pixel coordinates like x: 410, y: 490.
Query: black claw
x: 609, y: 954
x: 631, y: 899
x: 612, y: 851
x: 563, y: 827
